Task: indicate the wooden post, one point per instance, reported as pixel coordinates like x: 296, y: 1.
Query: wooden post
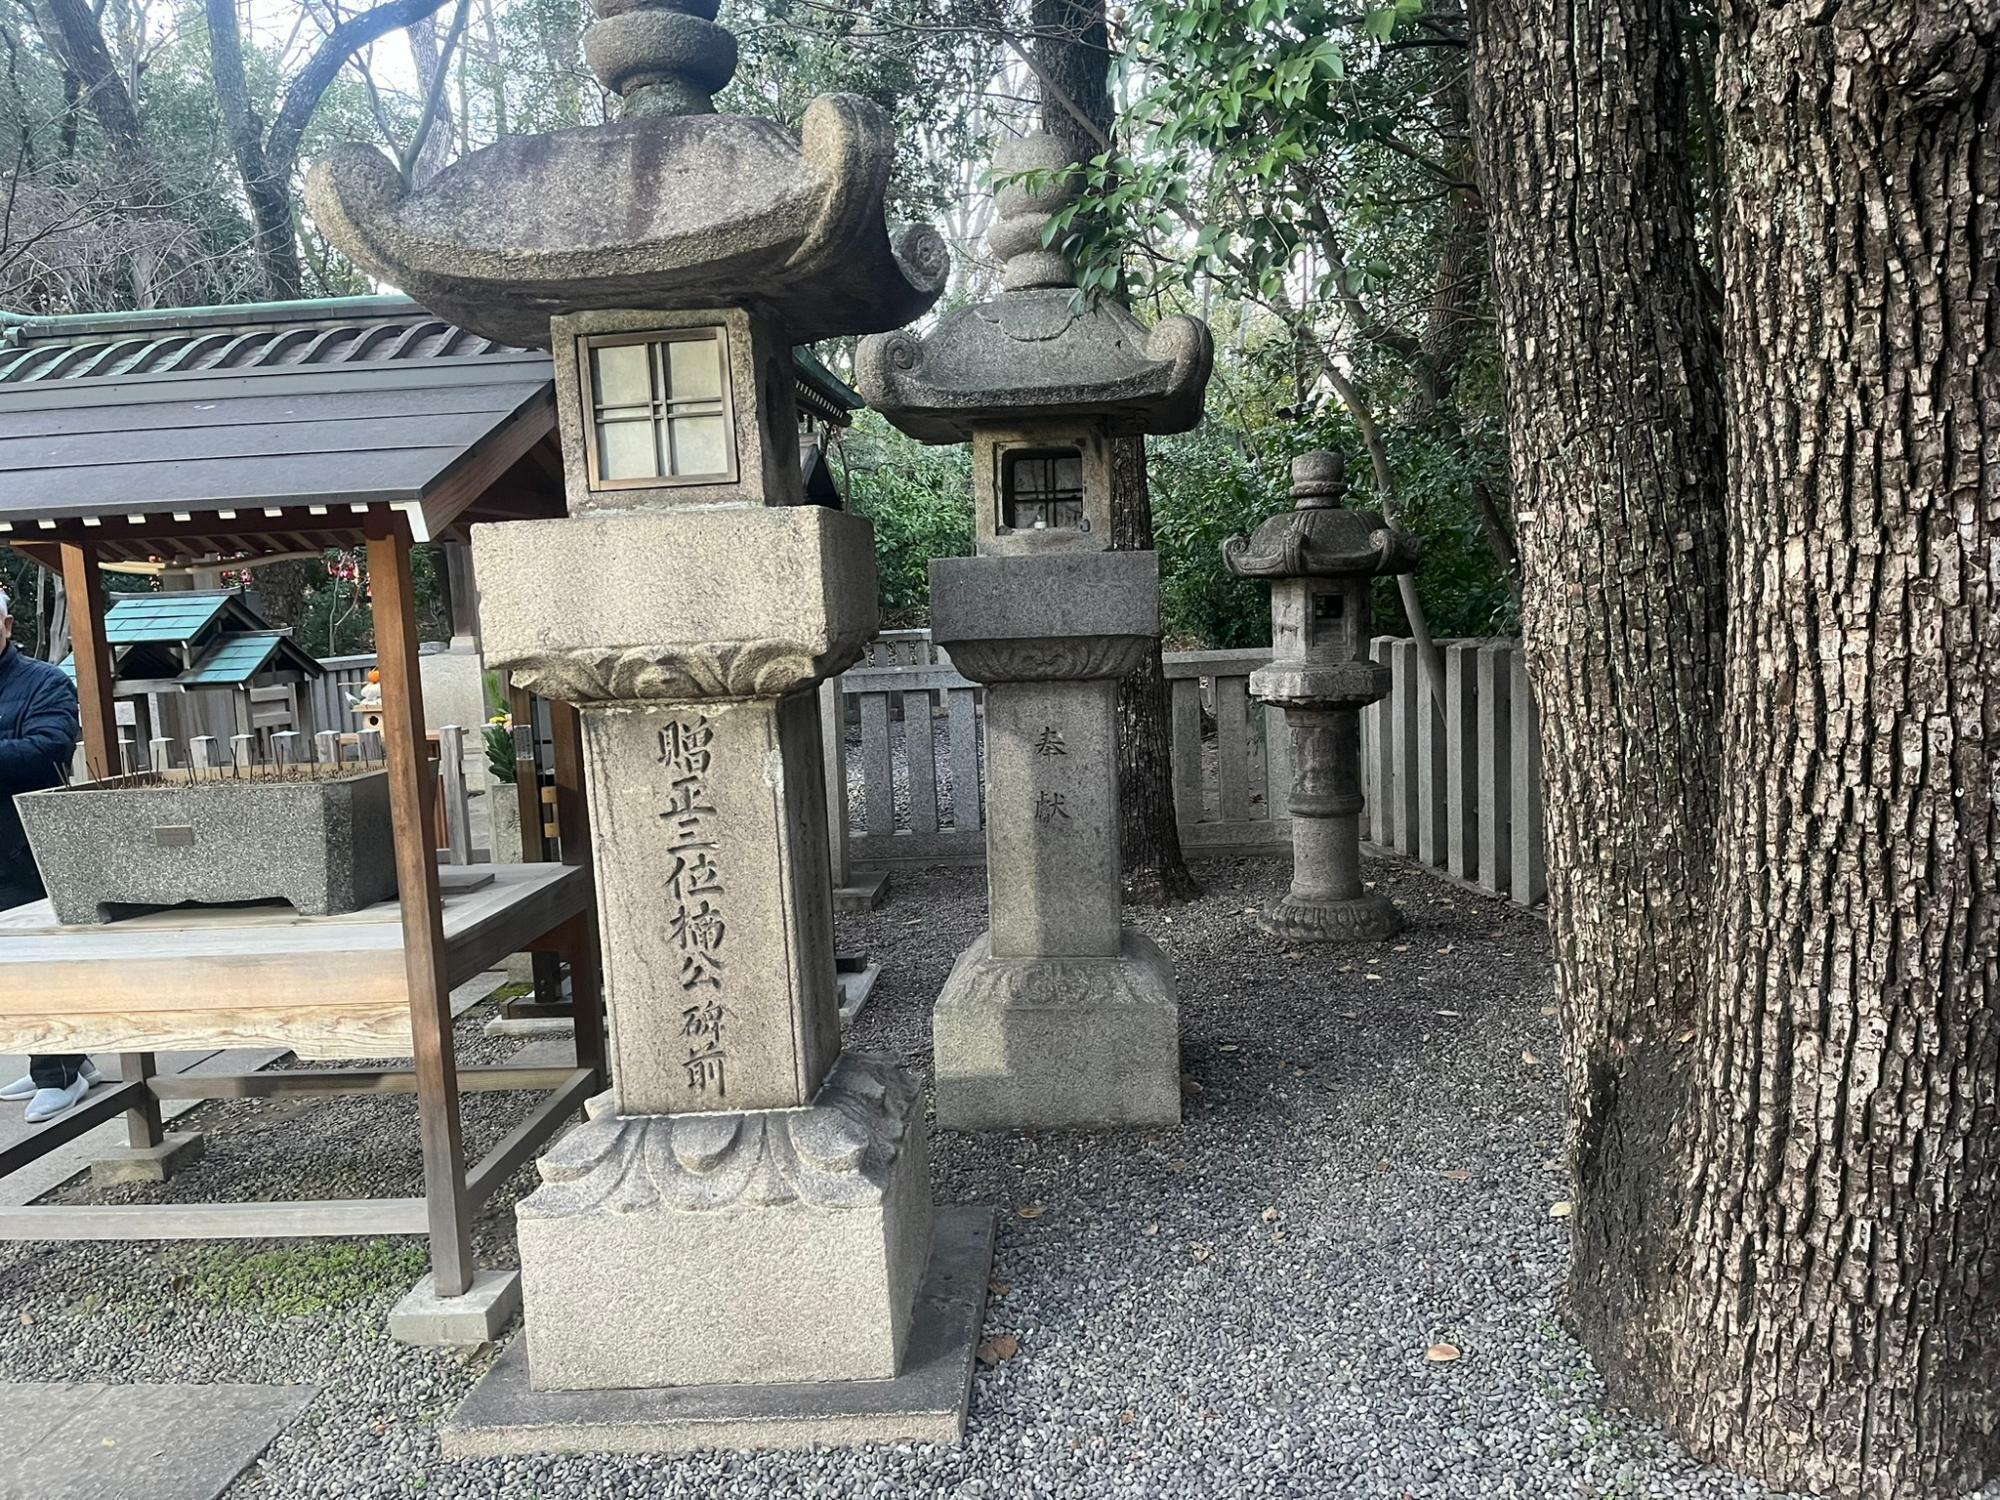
x: 94, y: 668
x: 573, y: 817
x: 410, y: 805
x: 527, y: 776
x: 143, y: 1127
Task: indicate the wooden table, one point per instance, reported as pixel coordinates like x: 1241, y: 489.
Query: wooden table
x: 324, y: 987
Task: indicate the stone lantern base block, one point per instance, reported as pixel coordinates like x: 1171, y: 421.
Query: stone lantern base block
x: 1058, y: 1043
x: 1362, y: 919
x: 761, y: 1247
x: 505, y: 1416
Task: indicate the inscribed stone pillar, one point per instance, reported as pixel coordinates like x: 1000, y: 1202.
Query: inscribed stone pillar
x: 1322, y: 560
x: 1057, y: 1015
x: 746, y: 1205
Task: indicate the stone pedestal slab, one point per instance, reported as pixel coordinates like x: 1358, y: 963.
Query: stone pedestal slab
x: 176, y: 1151
x: 720, y: 1248
x: 1058, y: 1042
x: 477, y: 1317
x: 677, y: 605
x: 505, y: 1415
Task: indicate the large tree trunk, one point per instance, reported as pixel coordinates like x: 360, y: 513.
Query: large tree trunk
x: 1841, y: 1328
x: 1614, y: 430
x: 1072, y: 60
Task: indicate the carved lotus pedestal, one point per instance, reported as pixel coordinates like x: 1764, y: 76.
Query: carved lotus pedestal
x: 1056, y: 1017
x: 732, y: 1248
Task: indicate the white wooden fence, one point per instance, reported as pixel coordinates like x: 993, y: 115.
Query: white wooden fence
x: 1457, y: 788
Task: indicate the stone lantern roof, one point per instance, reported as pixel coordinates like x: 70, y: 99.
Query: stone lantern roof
x: 1320, y: 538
x: 1037, y: 350
x: 670, y: 207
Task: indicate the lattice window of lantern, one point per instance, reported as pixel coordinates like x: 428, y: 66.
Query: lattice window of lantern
x: 660, y: 408
x: 1042, y: 490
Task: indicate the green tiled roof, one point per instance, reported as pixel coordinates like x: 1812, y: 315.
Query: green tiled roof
x: 161, y: 617
x: 234, y: 659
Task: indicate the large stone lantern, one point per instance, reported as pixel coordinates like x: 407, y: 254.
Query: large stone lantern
x: 1322, y: 560
x: 747, y: 1207
x: 1057, y: 1015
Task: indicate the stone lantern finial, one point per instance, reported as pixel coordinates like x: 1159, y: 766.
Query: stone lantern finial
x: 1319, y: 480
x: 661, y: 57
x: 1025, y: 211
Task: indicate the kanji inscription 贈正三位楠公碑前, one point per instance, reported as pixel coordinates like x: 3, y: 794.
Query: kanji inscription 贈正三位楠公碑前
x: 699, y: 925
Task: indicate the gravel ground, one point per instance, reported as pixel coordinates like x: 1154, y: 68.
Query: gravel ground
x: 1240, y: 1307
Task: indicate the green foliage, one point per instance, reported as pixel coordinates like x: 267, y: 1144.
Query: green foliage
x: 1206, y: 490
x: 920, y: 500
x: 301, y: 1281
x: 500, y: 753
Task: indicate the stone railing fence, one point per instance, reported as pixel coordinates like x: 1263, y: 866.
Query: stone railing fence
x: 1457, y: 788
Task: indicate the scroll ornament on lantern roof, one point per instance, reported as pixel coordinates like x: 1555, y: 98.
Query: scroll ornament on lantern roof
x: 669, y: 207
x: 1036, y: 349
x: 1319, y: 537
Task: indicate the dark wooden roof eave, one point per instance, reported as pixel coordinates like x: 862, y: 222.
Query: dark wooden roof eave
x: 449, y: 503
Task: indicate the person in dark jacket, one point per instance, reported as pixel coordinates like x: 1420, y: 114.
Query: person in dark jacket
x: 38, y: 734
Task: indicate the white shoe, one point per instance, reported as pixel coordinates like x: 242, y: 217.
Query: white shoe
x: 24, y: 1087
x: 48, y: 1103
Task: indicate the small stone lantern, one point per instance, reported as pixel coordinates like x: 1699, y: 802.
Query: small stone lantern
x: 749, y: 1206
x: 1057, y: 1016
x: 1322, y: 560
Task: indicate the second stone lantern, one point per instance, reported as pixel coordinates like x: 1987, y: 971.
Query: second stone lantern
x: 1056, y: 1016
x: 1322, y: 561
x: 739, y: 1246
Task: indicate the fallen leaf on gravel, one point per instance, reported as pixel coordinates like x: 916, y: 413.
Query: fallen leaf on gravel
x: 1439, y: 1354
x: 1176, y: 1166
x: 1152, y: 1228
x: 1128, y: 1415
x: 1350, y: 1015
x: 1382, y: 1165
x: 1688, y: 1035
x: 1456, y: 1174
x: 1400, y: 948
x: 1189, y: 1087
x: 1200, y: 1251
x: 1452, y: 1013
x: 1248, y: 911
x: 1548, y: 1010
x: 1528, y: 1057
x: 1559, y: 1210
x: 1373, y: 978
x: 999, y: 1349
x: 1295, y: 956
x: 999, y: 1288
x: 1032, y: 1211
x: 1447, y: 948
x: 1270, y: 1216
x: 1231, y: 1047
x: 27, y: 1320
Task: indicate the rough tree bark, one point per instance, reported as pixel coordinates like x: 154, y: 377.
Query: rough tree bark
x: 1614, y: 429
x: 1840, y: 1329
x: 1071, y: 58
x: 267, y: 160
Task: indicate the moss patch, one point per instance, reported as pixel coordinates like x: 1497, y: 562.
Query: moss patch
x: 304, y: 1280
